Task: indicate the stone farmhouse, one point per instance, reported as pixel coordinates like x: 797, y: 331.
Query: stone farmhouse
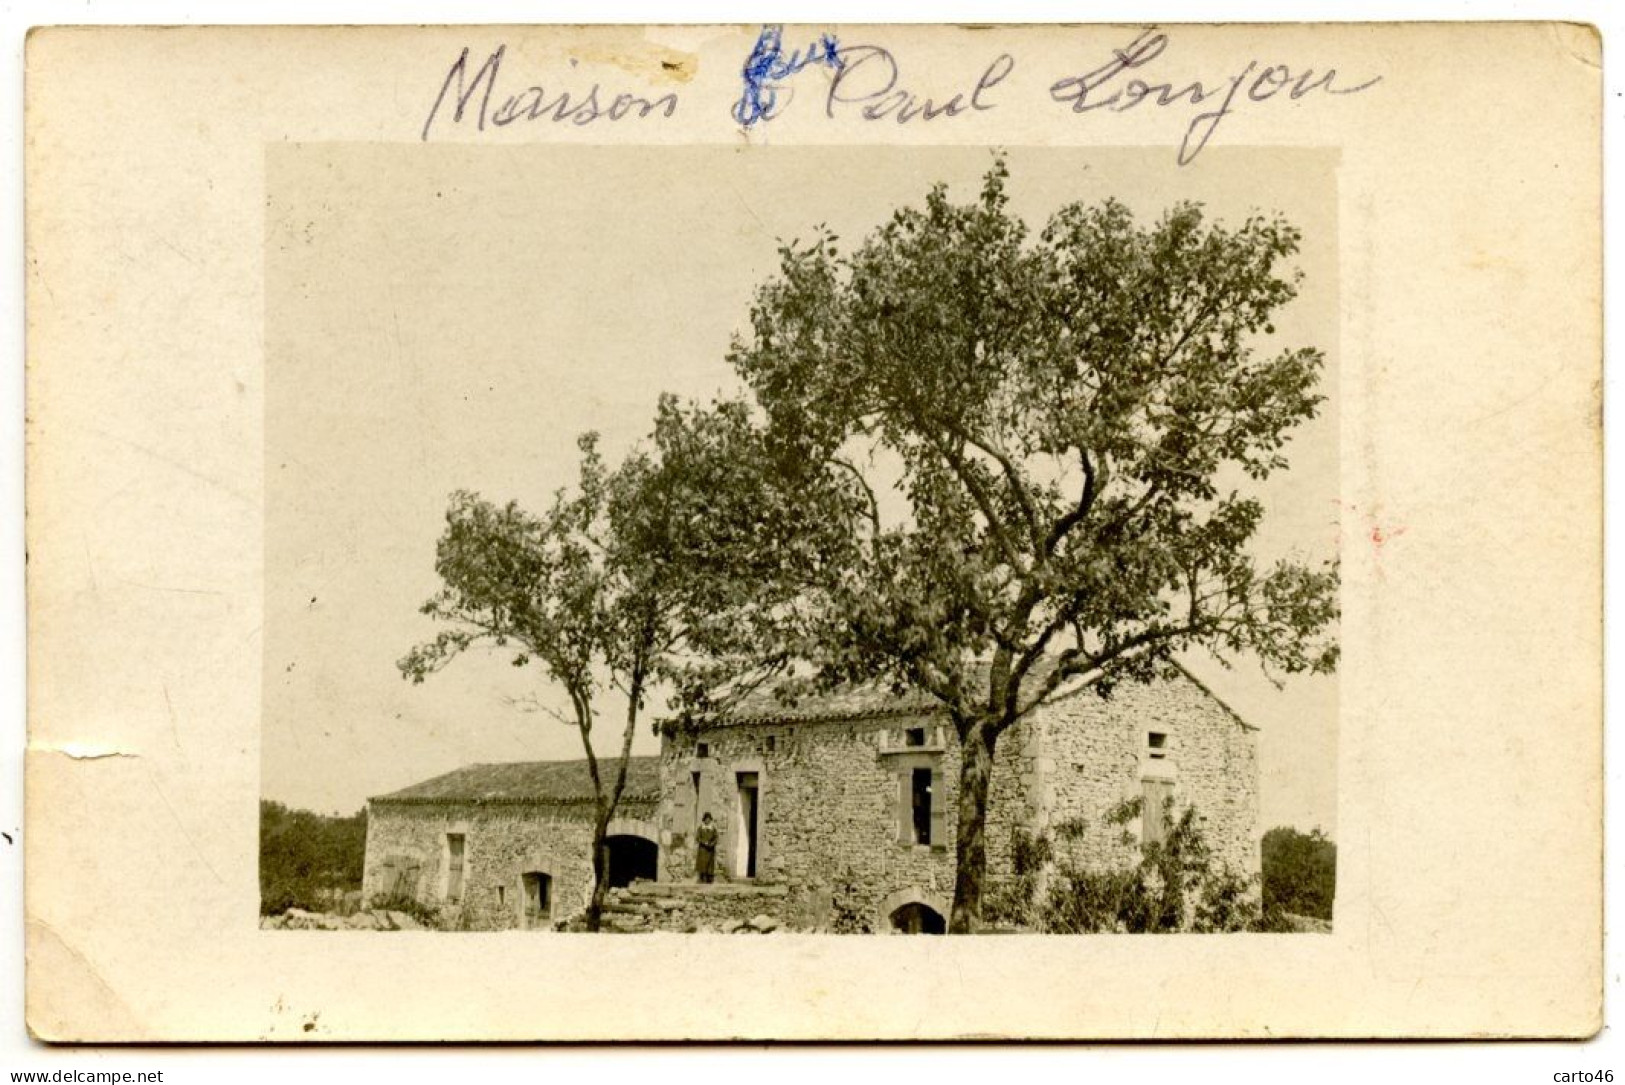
x: 492, y: 847
x: 839, y: 803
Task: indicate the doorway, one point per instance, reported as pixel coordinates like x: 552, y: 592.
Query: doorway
x: 538, y: 889
x: 631, y: 858
x: 916, y: 918
x: 746, y: 822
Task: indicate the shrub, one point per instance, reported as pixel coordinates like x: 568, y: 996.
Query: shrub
x: 1177, y: 885
x: 307, y: 859
x: 846, y: 913
x: 1300, y: 872
x: 1009, y: 901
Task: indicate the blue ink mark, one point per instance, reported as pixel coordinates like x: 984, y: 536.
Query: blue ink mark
x: 768, y: 63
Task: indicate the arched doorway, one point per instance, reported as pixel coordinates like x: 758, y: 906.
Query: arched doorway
x: 917, y: 918
x: 631, y: 858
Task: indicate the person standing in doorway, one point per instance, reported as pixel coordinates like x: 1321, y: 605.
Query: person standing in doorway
x: 705, y: 849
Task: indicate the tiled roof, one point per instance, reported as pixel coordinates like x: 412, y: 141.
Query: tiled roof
x: 868, y: 700
x: 876, y: 700
x: 532, y: 783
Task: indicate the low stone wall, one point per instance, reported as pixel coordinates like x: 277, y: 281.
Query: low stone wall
x: 377, y: 919
x: 719, y: 908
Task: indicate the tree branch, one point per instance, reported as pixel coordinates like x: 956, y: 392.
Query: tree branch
x: 1086, y: 502
x: 957, y: 464
x: 1018, y: 488
x: 868, y: 492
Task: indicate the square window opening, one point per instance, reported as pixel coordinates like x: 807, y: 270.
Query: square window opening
x: 914, y: 736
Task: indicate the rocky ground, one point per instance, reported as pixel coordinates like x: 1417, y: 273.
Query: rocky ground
x: 297, y: 919
x: 686, y: 909
x: 1308, y: 924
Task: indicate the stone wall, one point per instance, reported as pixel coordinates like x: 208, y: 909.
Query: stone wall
x: 502, y: 842
x: 684, y: 908
x: 1094, y: 755
x: 830, y: 801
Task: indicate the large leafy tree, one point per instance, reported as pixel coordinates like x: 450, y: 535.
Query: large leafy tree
x: 1041, y: 435
x: 623, y: 582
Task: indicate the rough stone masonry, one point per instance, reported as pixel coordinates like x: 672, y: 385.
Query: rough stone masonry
x: 834, y: 813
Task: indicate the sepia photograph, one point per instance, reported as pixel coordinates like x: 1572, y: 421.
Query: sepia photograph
x: 839, y: 541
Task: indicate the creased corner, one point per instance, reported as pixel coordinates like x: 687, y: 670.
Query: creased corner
x: 68, y: 1001
x: 1582, y: 41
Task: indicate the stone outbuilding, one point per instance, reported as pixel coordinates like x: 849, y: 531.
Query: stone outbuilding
x: 499, y: 846
x: 850, y: 798
x: 834, y: 812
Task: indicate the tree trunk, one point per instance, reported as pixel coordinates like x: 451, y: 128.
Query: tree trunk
x: 600, y: 876
x: 975, y: 768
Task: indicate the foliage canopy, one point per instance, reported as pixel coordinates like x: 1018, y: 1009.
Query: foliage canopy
x: 1064, y: 422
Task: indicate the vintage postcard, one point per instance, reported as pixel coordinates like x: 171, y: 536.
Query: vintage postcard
x: 548, y: 533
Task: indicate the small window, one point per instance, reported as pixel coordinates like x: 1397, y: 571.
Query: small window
x: 454, y: 867
x: 914, y: 736
x: 772, y: 743
x: 1157, y: 745
x: 502, y: 895
x: 703, y: 750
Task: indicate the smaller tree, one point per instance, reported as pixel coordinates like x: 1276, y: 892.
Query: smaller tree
x: 1300, y: 872
x: 622, y: 584
x: 553, y: 590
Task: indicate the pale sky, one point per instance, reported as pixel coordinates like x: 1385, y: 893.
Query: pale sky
x: 443, y: 317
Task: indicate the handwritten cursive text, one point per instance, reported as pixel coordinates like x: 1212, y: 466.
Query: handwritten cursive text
x: 534, y: 103
x: 868, y: 78
x: 1104, y: 88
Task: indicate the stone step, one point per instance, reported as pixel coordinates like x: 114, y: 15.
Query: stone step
x: 615, y: 908
x: 653, y: 890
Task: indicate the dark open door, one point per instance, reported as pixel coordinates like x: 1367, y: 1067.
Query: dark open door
x: 918, y: 918
x: 631, y: 858
x: 748, y: 808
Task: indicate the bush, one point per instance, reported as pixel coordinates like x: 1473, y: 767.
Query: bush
x: 1009, y: 901
x: 1177, y: 885
x: 307, y: 859
x: 846, y: 913
x: 1300, y: 872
